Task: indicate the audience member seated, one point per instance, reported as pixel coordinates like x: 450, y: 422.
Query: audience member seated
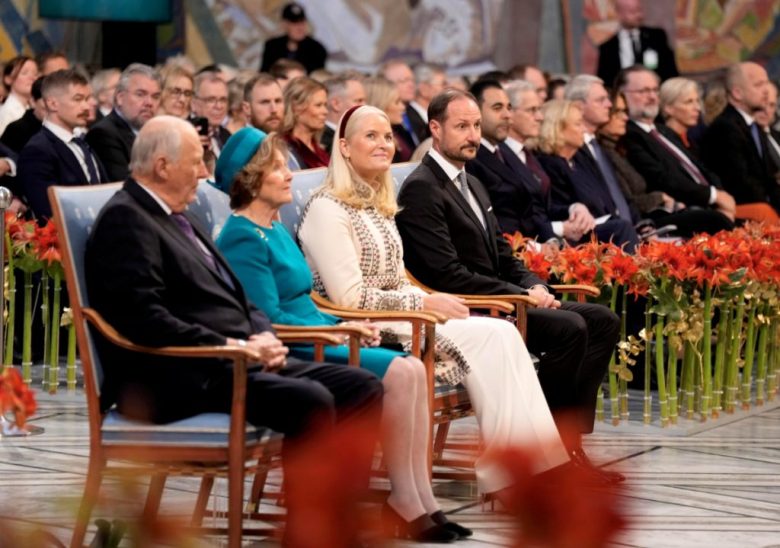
x: 18, y: 76
x: 430, y: 80
x: 575, y: 179
x: 285, y: 71
x: 136, y: 101
x: 352, y: 245
x: 545, y: 221
x: 734, y: 147
x: 635, y: 44
x: 58, y: 153
x: 659, y: 154
x: 51, y: 61
x: 263, y: 103
x: 20, y: 131
x: 401, y: 76
x: 766, y: 119
x: 210, y: 101
x: 656, y: 205
x: 305, y: 111
x: 104, y: 84
x: 236, y: 117
x: 155, y: 276
x: 382, y: 94
x: 532, y: 74
x: 344, y: 92
x: 177, y: 92
x: 274, y: 274
x: 295, y: 44
x: 452, y: 243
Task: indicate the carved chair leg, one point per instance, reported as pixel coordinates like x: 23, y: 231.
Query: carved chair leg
x: 153, y: 497
x: 206, y: 485
x: 91, y: 490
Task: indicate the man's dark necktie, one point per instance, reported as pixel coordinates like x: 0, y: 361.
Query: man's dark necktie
x: 462, y: 183
x: 637, y: 47
x: 536, y: 168
x: 89, y: 159
x: 612, y: 184
x: 755, y: 132
x: 500, y: 156
x: 184, y: 224
x: 686, y: 163
x: 407, y: 123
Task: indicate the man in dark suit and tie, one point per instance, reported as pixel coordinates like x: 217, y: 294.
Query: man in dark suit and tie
x: 430, y: 80
x: 344, y: 92
x: 734, y: 147
x: 659, y: 155
x: 452, y: 243
x: 210, y: 101
x: 635, y: 44
x: 58, y: 153
x: 156, y: 276
x: 400, y: 74
x: 136, y: 101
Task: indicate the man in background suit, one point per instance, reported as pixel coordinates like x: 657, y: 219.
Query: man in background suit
x: 430, y: 80
x: 295, y: 44
x: 156, y: 276
x: 58, y: 153
x: 263, y: 103
x: 401, y: 75
x: 20, y: 131
x: 734, y: 147
x: 210, y: 101
x: 344, y: 92
x: 452, y: 243
x: 136, y: 101
x: 635, y: 44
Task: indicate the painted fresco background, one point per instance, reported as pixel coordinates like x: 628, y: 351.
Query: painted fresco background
x: 466, y: 35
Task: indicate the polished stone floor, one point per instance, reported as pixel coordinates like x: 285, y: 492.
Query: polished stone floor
x: 710, y: 486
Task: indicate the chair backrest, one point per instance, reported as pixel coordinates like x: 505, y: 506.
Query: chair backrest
x: 401, y: 172
x: 304, y: 183
x: 211, y: 208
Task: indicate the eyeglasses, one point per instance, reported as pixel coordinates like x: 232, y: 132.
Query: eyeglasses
x: 211, y: 101
x: 178, y: 92
x: 644, y: 91
x: 531, y: 110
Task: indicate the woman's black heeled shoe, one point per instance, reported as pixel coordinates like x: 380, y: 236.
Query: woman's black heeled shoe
x: 439, y: 518
x: 421, y: 529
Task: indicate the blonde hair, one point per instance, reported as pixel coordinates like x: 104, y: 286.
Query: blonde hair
x: 345, y: 184
x: 297, y: 96
x: 380, y: 92
x: 671, y: 91
x: 556, y: 113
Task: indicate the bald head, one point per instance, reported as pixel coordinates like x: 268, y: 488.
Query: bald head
x: 160, y: 136
x: 629, y: 13
x: 747, y: 85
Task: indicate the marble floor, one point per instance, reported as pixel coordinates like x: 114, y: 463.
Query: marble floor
x: 716, y: 486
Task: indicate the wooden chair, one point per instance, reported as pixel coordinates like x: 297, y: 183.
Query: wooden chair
x: 208, y: 444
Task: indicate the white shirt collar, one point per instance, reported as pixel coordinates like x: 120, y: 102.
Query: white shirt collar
x: 647, y: 128
x: 589, y: 137
x: 332, y: 125
x: 449, y: 169
x: 488, y: 145
x: 165, y: 207
x: 745, y: 116
x: 60, y: 132
x: 423, y: 112
x: 515, y: 145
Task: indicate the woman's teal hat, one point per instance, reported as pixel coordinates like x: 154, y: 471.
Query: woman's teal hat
x: 238, y: 150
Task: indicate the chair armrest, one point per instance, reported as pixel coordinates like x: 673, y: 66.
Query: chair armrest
x: 381, y: 315
x: 490, y: 304
x: 580, y: 289
x: 311, y: 337
x: 350, y: 330
x: 113, y: 336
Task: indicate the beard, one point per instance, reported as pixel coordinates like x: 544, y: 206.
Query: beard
x: 648, y: 112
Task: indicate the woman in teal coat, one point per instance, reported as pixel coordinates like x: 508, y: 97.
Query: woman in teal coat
x: 276, y: 278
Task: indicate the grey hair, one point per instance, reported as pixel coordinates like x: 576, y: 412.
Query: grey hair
x: 337, y: 86
x: 136, y: 69
x: 672, y: 89
x: 516, y: 89
x: 579, y: 87
x: 206, y: 76
x: 161, y: 136
x: 424, y: 72
x: 101, y: 78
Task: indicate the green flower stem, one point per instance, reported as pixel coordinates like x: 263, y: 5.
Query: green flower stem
x: 27, y: 330
x: 647, y: 413
x: 763, y: 338
x: 71, y: 357
x: 622, y: 383
x: 54, y: 369
x: 671, y: 383
x: 45, y: 320
x: 720, y: 353
x: 688, y: 380
x: 613, y: 385
x: 750, y: 354
x: 706, y: 354
x: 11, y: 323
x: 663, y: 402
x: 771, y: 378
x: 732, y: 371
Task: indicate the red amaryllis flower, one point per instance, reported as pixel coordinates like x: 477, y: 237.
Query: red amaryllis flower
x: 47, y: 247
x: 15, y: 396
x: 537, y: 262
x: 619, y: 268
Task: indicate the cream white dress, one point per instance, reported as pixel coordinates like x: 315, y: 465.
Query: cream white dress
x: 356, y: 257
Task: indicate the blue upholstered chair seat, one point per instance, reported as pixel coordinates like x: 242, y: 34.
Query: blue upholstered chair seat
x: 212, y: 429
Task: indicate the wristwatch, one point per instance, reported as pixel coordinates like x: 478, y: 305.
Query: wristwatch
x: 241, y: 342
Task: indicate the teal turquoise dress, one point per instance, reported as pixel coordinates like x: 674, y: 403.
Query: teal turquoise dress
x: 278, y: 281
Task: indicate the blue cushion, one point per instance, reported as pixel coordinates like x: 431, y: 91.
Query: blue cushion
x: 205, y: 429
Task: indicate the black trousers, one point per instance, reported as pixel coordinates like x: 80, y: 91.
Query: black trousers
x: 692, y: 220
x: 574, y: 344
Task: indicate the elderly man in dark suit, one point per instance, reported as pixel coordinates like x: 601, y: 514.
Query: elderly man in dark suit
x: 159, y: 280
x: 136, y: 101
x: 452, y: 243
x: 635, y: 44
x: 735, y: 148
x: 58, y: 153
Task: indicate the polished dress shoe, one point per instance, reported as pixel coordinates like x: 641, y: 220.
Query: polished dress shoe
x: 421, y: 529
x: 608, y: 477
x: 439, y: 518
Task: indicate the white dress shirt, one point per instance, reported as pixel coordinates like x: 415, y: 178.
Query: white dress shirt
x: 66, y: 136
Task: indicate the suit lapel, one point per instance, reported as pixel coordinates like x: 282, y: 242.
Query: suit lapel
x: 67, y: 156
x: 491, y: 161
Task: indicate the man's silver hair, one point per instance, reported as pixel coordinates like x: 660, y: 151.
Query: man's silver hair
x: 137, y: 69
x: 579, y: 87
x: 160, y: 138
x: 515, y: 90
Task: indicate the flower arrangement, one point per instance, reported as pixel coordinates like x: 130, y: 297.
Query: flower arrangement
x: 17, y: 402
x: 711, y: 316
